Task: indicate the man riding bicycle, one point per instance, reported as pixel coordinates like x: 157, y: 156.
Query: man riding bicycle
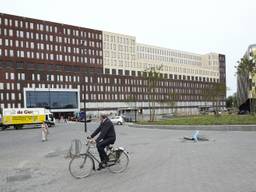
x: 106, y: 137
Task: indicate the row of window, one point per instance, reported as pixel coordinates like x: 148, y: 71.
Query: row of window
x: 10, y: 105
x: 113, y: 63
x: 49, y: 56
x: 168, y: 59
x: 116, y: 81
x: 11, y: 76
x: 120, y: 48
x: 111, y: 89
x: 120, y: 63
x: 166, y: 52
x: 167, y: 75
x: 127, y: 89
x: 126, y: 56
x: 195, y: 71
x: 140, y: 97
x: 59, y: 78
x: 48, y: 28
x: 50, y: 38
x: 118, y: 39
x: 107, y: 96
x: 37, y: 77
x: 10, y: 86
x: 10, y: 96
x: 69, y: 78
x: 49, y: 47
x: 39, y: 67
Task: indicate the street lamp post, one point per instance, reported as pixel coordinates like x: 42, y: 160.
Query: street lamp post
x: 135, y: 109
x: 85, y: 119
x: 49, y: 94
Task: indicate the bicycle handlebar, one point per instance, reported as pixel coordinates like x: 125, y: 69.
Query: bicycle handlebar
x: 89, y: 142
x: 88, y: 137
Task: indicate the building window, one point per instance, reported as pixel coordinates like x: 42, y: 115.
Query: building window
x: 7, y: 96
x: 120, y: 72
x: 11, y: 32
x: 31, y: 25
x: 11, y: 53
x: 21, y: 76
x: 6, y: 42
x: 7, y: 86
x: 12, y: 76
x: 127, y: 72
x: 13, y: 96
x: 41, y: 27
x: 6, y: 21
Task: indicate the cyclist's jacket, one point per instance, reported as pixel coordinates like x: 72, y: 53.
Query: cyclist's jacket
x: 106, y: 130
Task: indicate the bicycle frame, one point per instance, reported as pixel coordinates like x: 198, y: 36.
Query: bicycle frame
x: 88, y: 153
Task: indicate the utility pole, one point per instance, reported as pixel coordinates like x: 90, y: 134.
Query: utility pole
x: 85, y: 119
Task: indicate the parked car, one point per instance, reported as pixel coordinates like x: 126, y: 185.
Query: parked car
x: 117, y: 120
x: 243, y: 112
x: 167, y: 116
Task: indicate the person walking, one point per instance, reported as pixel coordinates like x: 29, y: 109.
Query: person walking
x: 44, y: 131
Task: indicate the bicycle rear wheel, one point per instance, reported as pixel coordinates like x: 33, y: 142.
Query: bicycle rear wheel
x: 120, y: 164
x: 81, y: 166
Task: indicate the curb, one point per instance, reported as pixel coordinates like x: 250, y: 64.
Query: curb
x: 198, y: 127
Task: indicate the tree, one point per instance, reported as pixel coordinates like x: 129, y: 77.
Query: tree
x: 132, y: 101
x: 246, y: 67
x: 152, y: 76
x: 218, y: 93
x: 214, y: 93
x: 231, y: 101
x: 172, y: 102
x: 207, y: 95
x: 169, y: 101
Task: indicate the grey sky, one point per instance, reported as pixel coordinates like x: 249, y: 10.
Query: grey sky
x: 198, y: 26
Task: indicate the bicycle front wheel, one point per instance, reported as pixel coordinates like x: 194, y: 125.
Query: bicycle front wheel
x: 120, y: 164
x: 81, y: 166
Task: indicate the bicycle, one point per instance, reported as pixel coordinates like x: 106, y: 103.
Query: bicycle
x: 82, y: 164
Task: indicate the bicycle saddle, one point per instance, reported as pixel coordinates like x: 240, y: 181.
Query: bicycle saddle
x: 110, y: 146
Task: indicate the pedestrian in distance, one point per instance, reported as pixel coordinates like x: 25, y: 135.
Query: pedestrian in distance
x: 44, y: 131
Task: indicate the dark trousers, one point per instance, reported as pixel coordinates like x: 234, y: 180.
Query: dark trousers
x: 101, y: 148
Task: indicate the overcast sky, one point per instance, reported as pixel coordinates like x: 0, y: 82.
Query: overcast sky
x: 198, y: 26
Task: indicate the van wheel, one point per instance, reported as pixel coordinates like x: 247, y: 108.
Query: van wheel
x: 4, y: 127
x: 119, y: 123
x: 18, y: 127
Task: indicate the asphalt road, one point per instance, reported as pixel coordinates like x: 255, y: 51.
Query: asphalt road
x: 160, y: 160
